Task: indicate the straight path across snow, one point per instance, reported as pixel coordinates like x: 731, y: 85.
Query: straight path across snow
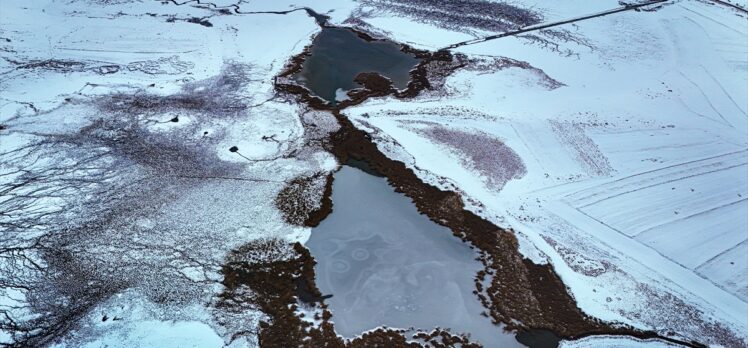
x: 735, y: 6
x: 554, y: 24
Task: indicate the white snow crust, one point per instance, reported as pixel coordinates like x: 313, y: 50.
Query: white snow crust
x: 636, y: 164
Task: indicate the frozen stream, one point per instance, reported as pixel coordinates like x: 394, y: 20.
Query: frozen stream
x: 385, y: 264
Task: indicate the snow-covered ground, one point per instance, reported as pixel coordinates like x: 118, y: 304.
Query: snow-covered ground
x: 141, y: 141
x: 614, y: 342
x: 119, y: 192
x: 634, y: 135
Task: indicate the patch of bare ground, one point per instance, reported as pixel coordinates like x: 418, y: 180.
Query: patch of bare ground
x: 300, y: 200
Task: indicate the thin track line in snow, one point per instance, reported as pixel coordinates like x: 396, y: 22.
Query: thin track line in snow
x: 714, y: 21
x: 554, y: 24
x: 717, y: 256
x: 658, y: 180
x: 672, y: 166
x: 634, y: 240
x: 653, y: 260
x: 707, y: 100
x: 662, y: 183
x: 595, y: 188
x: 691, y: 216
x: 724, y: 90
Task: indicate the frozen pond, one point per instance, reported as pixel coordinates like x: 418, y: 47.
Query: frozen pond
x: 338, y: 55
x: 387, y: 265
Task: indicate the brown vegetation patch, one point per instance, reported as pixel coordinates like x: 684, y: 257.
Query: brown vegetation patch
x: 300, y: 200
x: 273, y: 286
x: 493, y: 159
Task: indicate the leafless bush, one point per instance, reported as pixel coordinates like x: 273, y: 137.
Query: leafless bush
x: 462, y: 15
x: 494, y: 160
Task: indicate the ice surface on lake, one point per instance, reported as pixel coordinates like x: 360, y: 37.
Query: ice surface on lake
x: 387, y: 265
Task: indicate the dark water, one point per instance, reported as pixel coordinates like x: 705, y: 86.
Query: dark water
x: 539, y: 339
x: 364, y: 166
x: 338, y: 55
x: 385, y: 264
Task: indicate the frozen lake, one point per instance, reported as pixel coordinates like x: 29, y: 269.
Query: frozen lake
x: 338, y: 55
x: 387, y: 265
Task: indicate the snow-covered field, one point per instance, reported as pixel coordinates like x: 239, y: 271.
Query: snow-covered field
x: 141, y: 141
x: 636, y: 165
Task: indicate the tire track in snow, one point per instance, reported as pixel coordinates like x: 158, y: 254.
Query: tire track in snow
x: 729, y: 204
x: 679, y: 178
x: 585, y: 194
x: 660, y: 173
x: 737, y: 106
x: 708, y: 101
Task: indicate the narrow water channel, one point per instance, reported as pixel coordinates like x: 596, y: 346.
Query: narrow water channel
x: 385, y: 264
x: 338, y: 55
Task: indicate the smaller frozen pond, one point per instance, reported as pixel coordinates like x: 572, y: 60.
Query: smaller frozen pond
x: 385, y: 264
x: 338, y: 55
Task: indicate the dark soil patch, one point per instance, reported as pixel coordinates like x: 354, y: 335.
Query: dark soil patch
x: 538, y: 338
